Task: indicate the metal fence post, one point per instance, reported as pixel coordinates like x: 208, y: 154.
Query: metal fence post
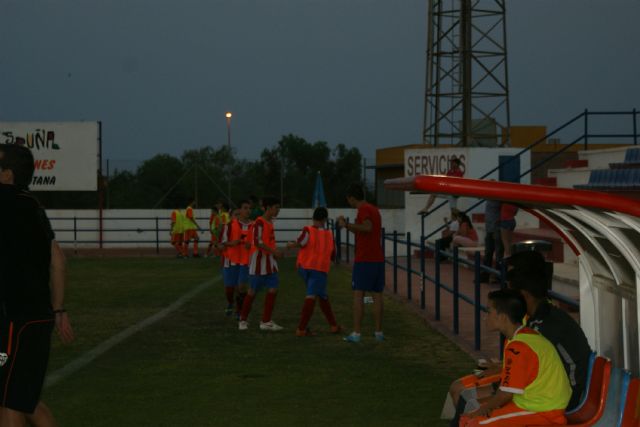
x: 437, y: 283
x: 586, y: 129
x: 409, y: 266
x: 635, y: 127
x: 157, y: 237
x: 338, y: 232
x: 456, y: 309
x: 75, y: 235
x: 476, y: 298
x: 422, y: 274
x: 395, y: 261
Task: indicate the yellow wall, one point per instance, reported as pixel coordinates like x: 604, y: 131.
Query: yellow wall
x: 523, y: 136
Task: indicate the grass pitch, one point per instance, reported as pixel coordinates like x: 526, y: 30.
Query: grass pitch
x: 194, y: 368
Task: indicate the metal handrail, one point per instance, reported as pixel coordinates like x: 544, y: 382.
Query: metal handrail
x: 158, y: 230
x: 585, y: 136
x: 438, y: 284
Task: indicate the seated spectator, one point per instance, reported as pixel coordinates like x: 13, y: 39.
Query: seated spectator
x: 466, y: 234
x: 531, y: 275
x: 451, y: 228
x: 534, y: 388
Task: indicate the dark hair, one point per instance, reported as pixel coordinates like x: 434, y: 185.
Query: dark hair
x: 509, y: 302
x: 320, y: 214
x: 463, y: 218
x: 268, y: 201
x: 18, y: 159
x: 530, y: 272
x: 456, y: 161
x: 355, y: 190
x: 242, y: 202
x: 214, y: 208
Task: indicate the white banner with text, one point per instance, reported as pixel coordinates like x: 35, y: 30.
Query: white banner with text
x: 65, y: 153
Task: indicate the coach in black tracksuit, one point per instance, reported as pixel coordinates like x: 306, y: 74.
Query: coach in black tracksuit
x: 532, y: 275
x: 31, y: 293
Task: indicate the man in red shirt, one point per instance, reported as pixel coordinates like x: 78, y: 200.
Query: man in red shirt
x: 368, y: 267
x: 454, y: 170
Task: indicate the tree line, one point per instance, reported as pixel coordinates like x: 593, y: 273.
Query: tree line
x: 287, y: 171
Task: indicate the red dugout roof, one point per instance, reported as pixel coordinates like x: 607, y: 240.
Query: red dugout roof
x: 525, y: 195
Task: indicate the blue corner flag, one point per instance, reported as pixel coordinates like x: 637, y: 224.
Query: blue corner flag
x: 318, y: 194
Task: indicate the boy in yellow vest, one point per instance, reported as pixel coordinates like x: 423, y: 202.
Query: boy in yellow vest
x: 215, y: 228
x: 534, y: 387
x: 314, y: 260
x: 190, y: 230
x: 177, y: 231
x: 223, y: 212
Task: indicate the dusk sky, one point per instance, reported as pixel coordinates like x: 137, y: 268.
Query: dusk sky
x: 160, y: 74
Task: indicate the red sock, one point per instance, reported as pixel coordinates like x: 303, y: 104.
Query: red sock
x: 307, y: 311
x: 325, y: 306
x: 269, y: 302
x: 185, y: 248
x: 228, y: 291
x: 246, y: 306
x: 239, y: 300
x: 195, y: 248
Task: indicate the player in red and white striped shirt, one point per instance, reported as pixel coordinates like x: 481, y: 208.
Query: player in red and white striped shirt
x: 263, y: 268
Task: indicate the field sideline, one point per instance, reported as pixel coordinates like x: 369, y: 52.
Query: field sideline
x: 193, y: 367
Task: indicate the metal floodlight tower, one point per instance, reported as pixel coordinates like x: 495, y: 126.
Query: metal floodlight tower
x: 467, y: 90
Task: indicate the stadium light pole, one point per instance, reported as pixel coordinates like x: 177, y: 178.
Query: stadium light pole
x: 228, y: 115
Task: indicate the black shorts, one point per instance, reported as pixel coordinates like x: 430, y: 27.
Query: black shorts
x: 24, y: 349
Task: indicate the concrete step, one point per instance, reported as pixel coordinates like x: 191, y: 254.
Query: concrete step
x: 577, y: 163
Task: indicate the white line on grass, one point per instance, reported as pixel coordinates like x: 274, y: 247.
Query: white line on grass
x: 107, y: 345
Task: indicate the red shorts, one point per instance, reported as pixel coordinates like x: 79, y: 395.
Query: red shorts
x: 510, y: 415
x: 176, y: 238
x: 190, y: 235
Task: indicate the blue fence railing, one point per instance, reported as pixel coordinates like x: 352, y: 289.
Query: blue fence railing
x: 401, y: 259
